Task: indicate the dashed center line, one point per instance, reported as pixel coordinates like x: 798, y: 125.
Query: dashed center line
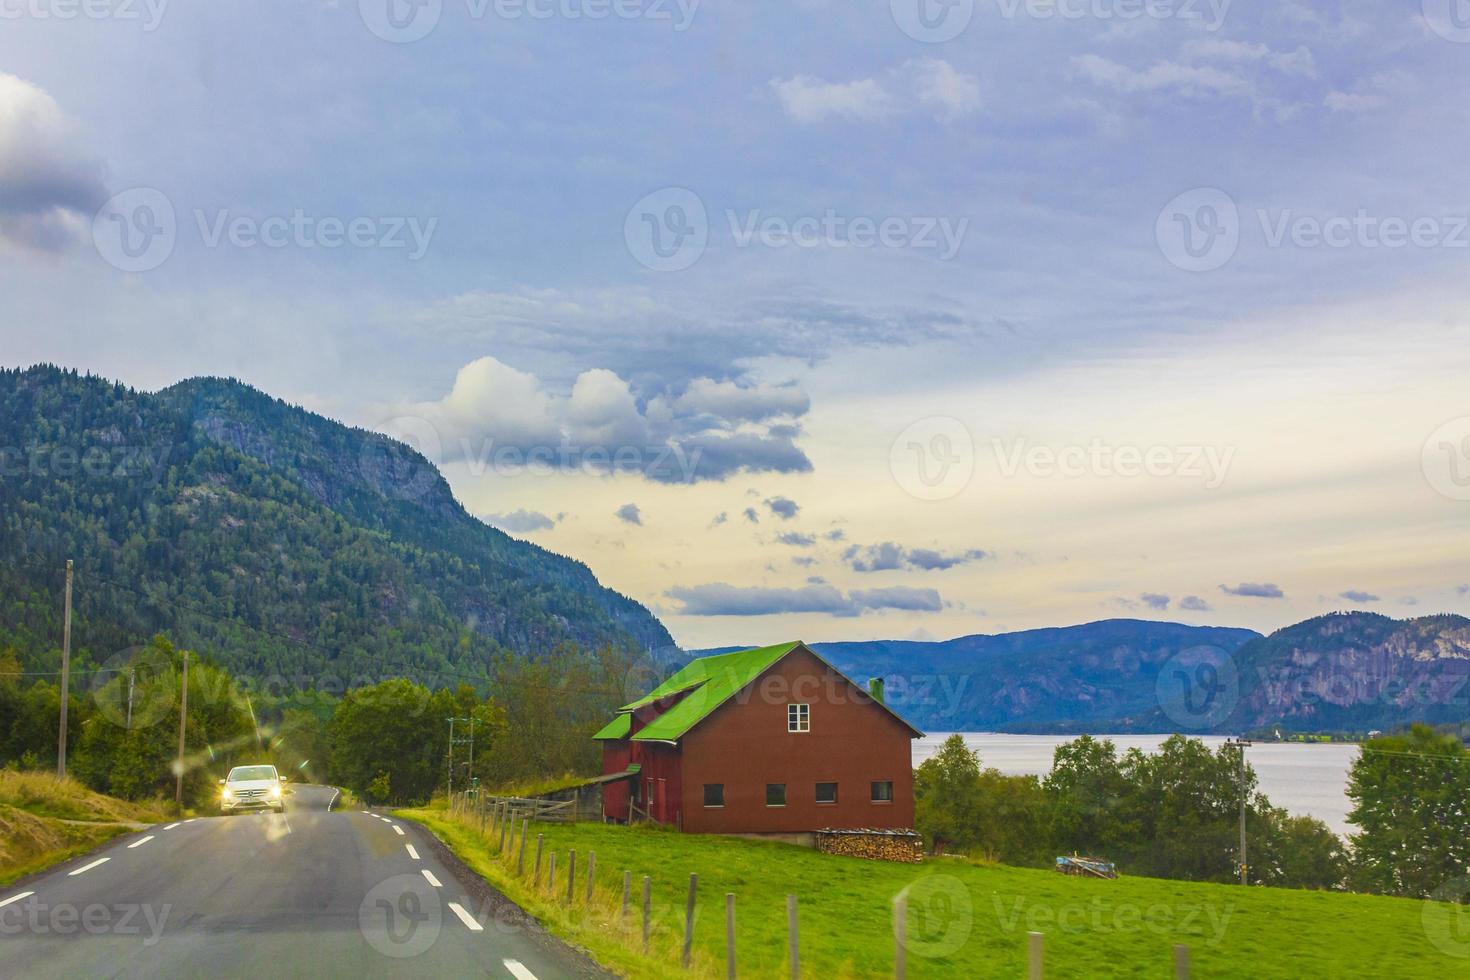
x: 465, y: 917
x: 518, y: 971
x: 428, y: 875
x: 15, y: 898
x: 399, y: 831
x: 171, y: 826
x: 140, y: 843
x: 411, y: 852
x: 87, y: 867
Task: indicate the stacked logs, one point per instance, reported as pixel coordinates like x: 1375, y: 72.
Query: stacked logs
x: 904, y: 846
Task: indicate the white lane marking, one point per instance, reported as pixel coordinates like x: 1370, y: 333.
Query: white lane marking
x: 190, y: 820
x: 140, y: 843
x: 399, y: 831
x: 87, y: 867
x: 333, y: 800
x: 518, y: 971
x: 431, y: 879
x: 15, y: 898
x: 171, y: 826
x: 411, y: 852
x: 368, y: 812
x: 465, y: 917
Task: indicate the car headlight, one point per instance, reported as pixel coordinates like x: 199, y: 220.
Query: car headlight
x: 227, y: 796
x: 275, y: 792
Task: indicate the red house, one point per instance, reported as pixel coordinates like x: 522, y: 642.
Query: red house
x: 767, y: 741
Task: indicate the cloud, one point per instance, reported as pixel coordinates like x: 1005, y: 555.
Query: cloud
x: 1354, y: 101
x: 1195, y: 603
x: 1154, y: 600
x: 783, y: 507
x: 797, y: 540
x: 1189, y: 81
x: 745, y: 402
x: 930, y: 85
x: 522, y: 521
x: 1463, y: 589
x: 721, y: 599
x: 752, y: 516
x: 1254, y: 590
x: 1296, y: 62
x: 1357, y: 595
x: 836, y: 534
x: 50, y: 183
x: 497, y: 416
x: 1409, y: 600
x: 889, y: 556
x: 630, y: 514
x: 719, y: 519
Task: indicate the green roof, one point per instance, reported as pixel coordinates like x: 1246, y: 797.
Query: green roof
x: 710, y: 681
x: 618, y: 728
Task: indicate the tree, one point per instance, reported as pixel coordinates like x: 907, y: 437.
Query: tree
x: 1087, y: 790
x: 946, y: 792
x: 397, y: 728
x: 1409, y: 796
x: 1297, y: 852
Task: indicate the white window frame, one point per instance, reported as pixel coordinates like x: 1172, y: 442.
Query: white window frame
x: 798, y: 719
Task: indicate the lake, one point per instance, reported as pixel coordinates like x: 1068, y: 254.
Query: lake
x: 1301, y: 778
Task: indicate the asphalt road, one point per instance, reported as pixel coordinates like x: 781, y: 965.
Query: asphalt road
x: 314, y: 892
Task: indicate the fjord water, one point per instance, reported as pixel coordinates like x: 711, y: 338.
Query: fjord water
x: 1301, y: 778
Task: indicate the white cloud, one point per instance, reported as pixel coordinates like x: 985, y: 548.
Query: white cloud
x: 1188, y: 80
x: 1296, y: 62
x: 930, y: 85
x: 50, y: 183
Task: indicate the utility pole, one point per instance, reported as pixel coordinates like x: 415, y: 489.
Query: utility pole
x: 1241, y: 744
x: 131, y: 672
x: 470, y: 741
x: 449, y: 797
x: 65, y: 677
x: 183, y: 717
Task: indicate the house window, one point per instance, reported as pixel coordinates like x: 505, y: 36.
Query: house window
x: 798, y: 717
x: 775, y: 794
x: 826, y: 792
x: 883, y: 791
x: 714, y: 794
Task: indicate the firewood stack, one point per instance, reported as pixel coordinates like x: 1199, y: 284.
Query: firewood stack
x: 904, y: 846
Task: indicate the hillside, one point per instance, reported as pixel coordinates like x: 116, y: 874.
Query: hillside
x: 44, y: 820
x: 278, y: 540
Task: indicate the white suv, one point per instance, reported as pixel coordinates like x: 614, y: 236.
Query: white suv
x: 252, y: 788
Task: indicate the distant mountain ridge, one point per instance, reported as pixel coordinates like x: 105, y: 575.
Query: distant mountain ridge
x: 1340, y: 672
x: 279, y: 540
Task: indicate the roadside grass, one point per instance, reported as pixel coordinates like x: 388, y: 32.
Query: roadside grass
x: 45, y: 820
x: 964, y: 918
x: 539, y: 787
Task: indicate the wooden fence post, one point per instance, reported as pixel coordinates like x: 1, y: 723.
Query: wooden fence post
x: 689, y: 920
x: 1181, y: 963
x: 521, y: 856
x: 1036, y: 953
x: 536, y: 875
x: 729, y: 936
x: 480, y: 811
x: 504, y: 825
x: 551, y: 874
x: 591, y: 873
x: 627, y: 888
x: 571, y: 873
x: 900, y: 936
x: 793, y: 939
x: 647, y: 888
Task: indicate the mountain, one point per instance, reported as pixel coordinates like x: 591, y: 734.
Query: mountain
x: 282, y: 542
x: 1342, y: 672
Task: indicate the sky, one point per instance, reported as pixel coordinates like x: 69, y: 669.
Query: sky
x: 821, y: 320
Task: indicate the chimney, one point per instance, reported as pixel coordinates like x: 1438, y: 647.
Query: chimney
x: 875, y: 689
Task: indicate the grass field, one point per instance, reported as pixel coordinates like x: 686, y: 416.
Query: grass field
x: 44, y: 820
x: 965, y: 919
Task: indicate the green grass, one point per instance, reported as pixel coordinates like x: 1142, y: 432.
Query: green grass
x: 37, y: 821
x: 965, y: 919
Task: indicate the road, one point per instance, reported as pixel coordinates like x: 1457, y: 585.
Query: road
x: 314, y: 892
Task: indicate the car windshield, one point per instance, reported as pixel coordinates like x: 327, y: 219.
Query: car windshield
x: 252, y: 772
